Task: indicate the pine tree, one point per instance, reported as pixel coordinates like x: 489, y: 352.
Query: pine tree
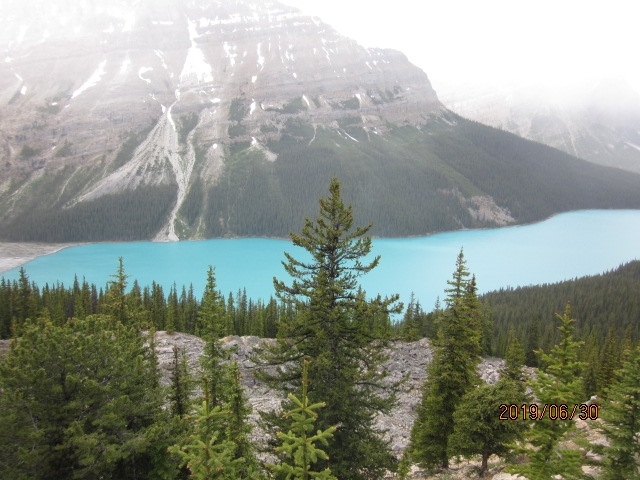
x: 532, y: 343
x: 298, y: 446
x: 206, y: 452
x: 173, y: 323
x: 237, y: 427
x: 80, y: 400
x: 620, y: 413
x: 514, y: 358
x: 608, y: 363
x: 478, y: 426
x: 411, y: 321
x: 211, y: 324
x: 24, y: 303
x: 115, y: 298
x: 559, y: 382
x: 181, y: 384
x: 332, y: 327
x: 452, y: 372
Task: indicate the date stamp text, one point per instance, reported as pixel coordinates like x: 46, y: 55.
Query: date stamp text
x: 551, y: 411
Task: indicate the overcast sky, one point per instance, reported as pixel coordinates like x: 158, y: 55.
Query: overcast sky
x: 556, y: 42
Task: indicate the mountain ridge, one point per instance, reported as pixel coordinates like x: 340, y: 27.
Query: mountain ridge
x: 209, y: 119
x: 598, y: 121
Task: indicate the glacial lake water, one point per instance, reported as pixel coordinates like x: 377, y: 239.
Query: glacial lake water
x: 563, y: 247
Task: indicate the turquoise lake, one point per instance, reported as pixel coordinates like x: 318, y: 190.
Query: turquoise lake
x: 563, y: 247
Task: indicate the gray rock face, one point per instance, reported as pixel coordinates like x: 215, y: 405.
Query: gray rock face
x: 76, y: 81
x: 406, y: 359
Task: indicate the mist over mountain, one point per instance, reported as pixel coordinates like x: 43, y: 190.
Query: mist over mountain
x: 171, y: 120
x: 597, y: 120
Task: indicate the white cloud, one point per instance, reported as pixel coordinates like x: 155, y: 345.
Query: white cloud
x: 547, y: 41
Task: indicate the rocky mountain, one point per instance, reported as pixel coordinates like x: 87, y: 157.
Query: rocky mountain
x: 598, y: 121
x: 177, y: 119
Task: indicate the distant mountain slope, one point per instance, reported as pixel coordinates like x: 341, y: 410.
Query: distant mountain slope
x: 173, y: 120
x: 599, y: 122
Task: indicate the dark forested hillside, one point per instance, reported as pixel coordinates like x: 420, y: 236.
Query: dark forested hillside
x: 445, y: 175
x: 600, y: 303
x: 130, y: 215
x: 607, y: 312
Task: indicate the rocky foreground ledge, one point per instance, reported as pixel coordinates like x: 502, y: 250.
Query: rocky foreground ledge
x: 405, y: 358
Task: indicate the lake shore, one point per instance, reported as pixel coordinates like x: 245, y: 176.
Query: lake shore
x: 14, y: 254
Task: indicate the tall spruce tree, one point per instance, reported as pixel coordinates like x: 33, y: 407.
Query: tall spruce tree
x: 211, y: 323
x: 558, y: 382
x: 237, y: 426
x: 333, y: 328
x: 621, y: 423
x: 221, y: 381
x: 181, y: 385
x: 115, y: 297
x: 453, y: 371
x: 478, y: 426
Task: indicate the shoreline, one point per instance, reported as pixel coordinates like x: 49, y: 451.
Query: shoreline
x: 16, y: 254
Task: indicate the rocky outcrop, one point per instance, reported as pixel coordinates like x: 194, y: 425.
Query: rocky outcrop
x: 406, y: 359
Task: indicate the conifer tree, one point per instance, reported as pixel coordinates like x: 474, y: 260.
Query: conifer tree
x: 206, y: 452
x: 514, y: 359
x: 24, y: 303
x: 411, y: 321
x: 333, y: 328
x: 237, y: 427
x: 173, y: 322
x: 558, y: 382
x: 298, y: 444
x: 211, y: 324
x: 181, y: 384
x: 608, y: 363
x: 79, y: 400
x: 452, y: 372
x: 211, y: 327
x: 620, y: 413
x: 478, y: 426
x: 532, y: 343
x: 115, y: 296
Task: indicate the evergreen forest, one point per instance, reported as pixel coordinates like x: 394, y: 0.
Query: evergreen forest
x: 81, y: 398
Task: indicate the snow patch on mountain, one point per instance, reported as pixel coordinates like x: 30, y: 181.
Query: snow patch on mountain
x: 124, y: 67
x: 142, y: 71
x: 93, y: 80
x: 230, y: 55
x: 129, y: 22
x: 161, y: 57
x: 195, y: 69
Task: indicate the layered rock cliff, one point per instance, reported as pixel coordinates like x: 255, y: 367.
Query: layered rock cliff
x: 113, y: 97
